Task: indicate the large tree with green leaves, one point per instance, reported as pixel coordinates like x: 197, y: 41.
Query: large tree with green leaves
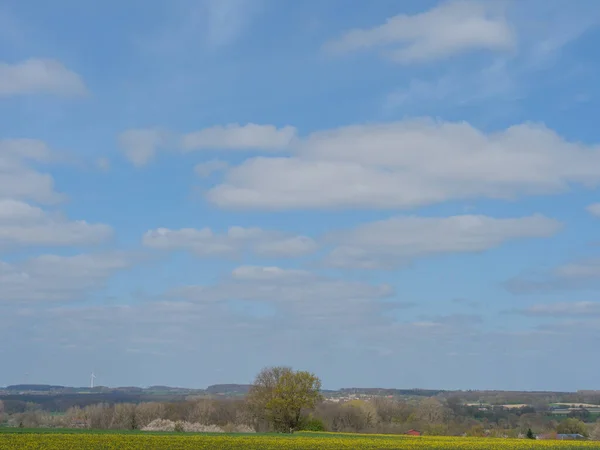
x: 572, y: 426
x: 280, y: 394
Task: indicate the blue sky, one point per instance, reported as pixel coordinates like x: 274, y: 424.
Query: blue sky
x: 396, y: 194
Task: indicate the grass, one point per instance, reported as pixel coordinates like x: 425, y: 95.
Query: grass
x: 57, y: 439
x: 316, y: 434
x: 14, y: 430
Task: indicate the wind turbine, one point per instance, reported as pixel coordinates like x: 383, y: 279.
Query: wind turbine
x: 92, y: 377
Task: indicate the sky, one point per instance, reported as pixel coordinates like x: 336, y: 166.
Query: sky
x: 398, y: 194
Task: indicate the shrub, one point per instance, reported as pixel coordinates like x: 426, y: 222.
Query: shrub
x: 189, y: 427
x: 313, y: 424
x: 160, y: 425
x: 572, y: 426
x: 476, y: 431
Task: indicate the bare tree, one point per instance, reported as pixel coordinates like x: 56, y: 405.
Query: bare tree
x: 99, y: 416
x: 366, y: 411
x: 147, y: 412
x: 124, y: 417
x: 387, y: 409
x: 225, y: 412
x: 432, y: 411
x: 595, y: 433
x: 201, y: 411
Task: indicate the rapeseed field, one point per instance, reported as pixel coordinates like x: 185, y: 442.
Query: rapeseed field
x: 321, y: 441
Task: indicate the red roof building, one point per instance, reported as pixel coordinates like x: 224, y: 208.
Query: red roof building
x: 413, y: 433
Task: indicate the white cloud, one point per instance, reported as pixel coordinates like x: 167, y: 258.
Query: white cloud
x: 544, y: 29
x: 140, y: 145
x: 584, y: 274
x: 563, y: 309
x: 227, y: 20
x: 305, y: 295
x: 579, y: 270
x: 189, y: 25
x: 448, y: 29
x: 282, y: 245
x: 23, y: 224
x: 39, y: 76
x: 50, y: 278
x: 25, y: 149
x: 410, y: 163
x: 396, y: 241
x: 594, y: 209
x: 138, y: 334
x: 260, y: 273
x: 240, y: 137
x: 17, y: 179
x: 13, y: 211
x: 458, y: 87
x: 207, y: 168
x: 204, y: 242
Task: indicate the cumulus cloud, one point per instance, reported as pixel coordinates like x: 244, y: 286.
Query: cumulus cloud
x: 448, y: 29
x: 52, y: 278
x: 501, y: 80
x: 189, y: 25
x: 326, y: 320
x: 141, y: 334
x: 583, y: 274
x: 240, y: 137
x: 390, y: 242
x: 39, y: 76
x: 261, y: 273
x: 454, y: 320
x: 509, y: 76
x: 305, y: 295
x: 375, y: 245
x: 407, y: 164
x: 140, y: 145
x: 23, y: 224
x: 562, y: 309
x: 237, y: 240
x: 227, y: 19
x: 594, y: 209
x: 207, y: 168
x: 18, y: 179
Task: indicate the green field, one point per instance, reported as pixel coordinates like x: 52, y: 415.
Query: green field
x: 52, y: 439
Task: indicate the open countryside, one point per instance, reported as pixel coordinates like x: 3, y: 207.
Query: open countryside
x: 310, y: 224
x: 293, y: 404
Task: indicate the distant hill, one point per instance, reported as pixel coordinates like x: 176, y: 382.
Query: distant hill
x: 395, y: 392
x: 129, y: 389
x: 159, y: 388
x: 228, y: 389
x: 35, y: 387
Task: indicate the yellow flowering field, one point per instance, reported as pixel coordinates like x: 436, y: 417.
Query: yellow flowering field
x: 325, y: 441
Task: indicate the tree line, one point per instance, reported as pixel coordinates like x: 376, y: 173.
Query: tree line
x: 284, y: 400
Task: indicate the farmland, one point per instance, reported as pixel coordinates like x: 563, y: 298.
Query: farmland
x: 55, y: 440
